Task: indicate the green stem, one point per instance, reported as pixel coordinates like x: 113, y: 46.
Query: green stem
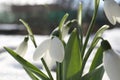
x: 58, y: 71
x: 90, y: 50
x: 45, y: 65
x: 59, y: 65
x: 86, y: 58
x: 47, y: 69
x: 80, y: 14
x: 79, y: 28
x: 91, y: 26
x: 33, y: 40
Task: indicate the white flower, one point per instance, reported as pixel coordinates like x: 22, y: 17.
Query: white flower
x: 64, y: 31
x: 52, y: 47
x: 111, y: 62
x: 22, y: 48
x: 112, y: 11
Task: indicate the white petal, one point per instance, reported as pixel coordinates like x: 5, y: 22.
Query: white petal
x: 118, y: 19
x: 108, y: 9
x: 22, y: 48
x: 41, y: 49
x: 65, y: 30
x: 49, y: 61
x: 115, y: 8
x: 111, y: 62
x: 57, y: 50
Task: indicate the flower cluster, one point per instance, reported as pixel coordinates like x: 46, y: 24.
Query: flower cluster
x: 111, y: 59
x: 50, y: 49
x: 71, y: 56
x: 112, y: 11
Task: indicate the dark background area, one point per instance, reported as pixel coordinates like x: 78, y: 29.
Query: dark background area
x: 43, y: 18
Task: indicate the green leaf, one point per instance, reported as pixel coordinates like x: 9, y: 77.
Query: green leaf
x: 29, y: 32
x: 97, y: 59
x: 99, y: 54
x: 96, y: 74
x: 27, y: 27
x: 72, y: 61
x: 61, y: 24
x: 27, y: 65
x: 94, y: 42
x: 63, y: 20
x: 33, y: 77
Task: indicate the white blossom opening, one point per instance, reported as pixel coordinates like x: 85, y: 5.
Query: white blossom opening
x: 112, y: 11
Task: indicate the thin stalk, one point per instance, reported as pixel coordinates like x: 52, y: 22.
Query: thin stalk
x: 47, y: 69
x: 89, y: 51
x: 34, y: 42
x: 58, y: 71
x: 80, y: 32
x: 91, y: 26
x: 86, y: 58
x: 59, y: 65
x: 45, y: 66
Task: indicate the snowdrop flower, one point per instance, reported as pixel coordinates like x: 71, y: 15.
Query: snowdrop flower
x: 22, y: 48
x: 111, y: 62
x: 64, y: 31
x: 112, y: 11
x: 52, y: 48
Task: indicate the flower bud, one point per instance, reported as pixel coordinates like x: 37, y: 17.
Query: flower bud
x: 22, y: 48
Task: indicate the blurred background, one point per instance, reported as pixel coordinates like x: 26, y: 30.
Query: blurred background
x: 44, y: 15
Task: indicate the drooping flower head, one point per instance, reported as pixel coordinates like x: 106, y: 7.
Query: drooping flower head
x: 51, y: 50
x: 64, y: 31
x: 22, y: 48
x: 112, y: 11
x: 111, y: 61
